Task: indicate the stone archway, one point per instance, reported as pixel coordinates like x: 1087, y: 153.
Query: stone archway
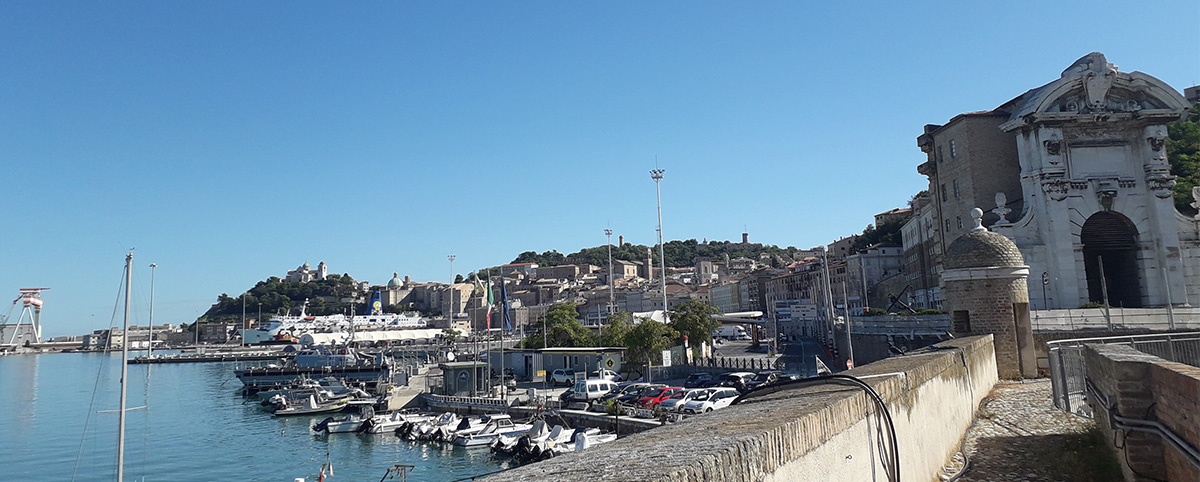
x: 1110, y: 238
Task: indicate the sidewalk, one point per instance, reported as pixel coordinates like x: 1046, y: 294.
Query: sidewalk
x: 1018, y: 435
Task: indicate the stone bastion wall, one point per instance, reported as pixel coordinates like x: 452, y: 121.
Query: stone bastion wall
x: 816, y: 433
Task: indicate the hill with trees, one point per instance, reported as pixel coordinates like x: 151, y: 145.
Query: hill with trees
x: 279, y: 297
x: 679, y: 253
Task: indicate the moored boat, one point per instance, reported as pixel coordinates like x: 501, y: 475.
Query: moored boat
x: 496, y: 426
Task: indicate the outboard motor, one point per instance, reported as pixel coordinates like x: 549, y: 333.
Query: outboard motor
x: 402, y: 430
x: 365, y: 426
x: 322, y: 425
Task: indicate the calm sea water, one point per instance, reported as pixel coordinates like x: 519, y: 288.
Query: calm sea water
x: 196, y: 426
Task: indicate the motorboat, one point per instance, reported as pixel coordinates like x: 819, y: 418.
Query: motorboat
x: 496, y: 426
x: 414, y: 430
x: 304, y: 386
x: 467, y: 425
x: 389, y: 422
x: 310, y: 406
x: 581, y: 440
x: 344, y: 424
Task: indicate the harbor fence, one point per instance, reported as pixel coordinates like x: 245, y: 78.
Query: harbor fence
x: 1068, y: 372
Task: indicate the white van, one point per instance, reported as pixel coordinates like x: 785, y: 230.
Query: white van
x: 731, y: 332
x: 590, y: 390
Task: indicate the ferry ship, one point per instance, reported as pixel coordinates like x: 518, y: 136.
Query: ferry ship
x: 289, y: 328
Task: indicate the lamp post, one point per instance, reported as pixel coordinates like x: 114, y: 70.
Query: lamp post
x: 611, y: 296
x: 150, y: 344
x: 657, y: 175
x: 1045, y: 281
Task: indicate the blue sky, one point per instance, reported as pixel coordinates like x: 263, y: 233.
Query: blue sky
x: 232, y: 141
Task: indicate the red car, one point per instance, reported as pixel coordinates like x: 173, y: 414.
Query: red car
x: 654, y: 397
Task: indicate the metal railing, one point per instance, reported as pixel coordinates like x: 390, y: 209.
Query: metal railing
x: 1149, y: 319
x: 1068, y: 372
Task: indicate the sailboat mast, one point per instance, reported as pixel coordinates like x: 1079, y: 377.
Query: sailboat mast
x: 124, y: 370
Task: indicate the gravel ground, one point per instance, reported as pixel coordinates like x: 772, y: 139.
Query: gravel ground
x: 1018, y: 435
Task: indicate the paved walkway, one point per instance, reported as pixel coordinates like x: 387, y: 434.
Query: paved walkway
x: 1019, y: 436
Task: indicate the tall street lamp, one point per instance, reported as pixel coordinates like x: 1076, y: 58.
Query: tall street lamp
x: 657, y: 175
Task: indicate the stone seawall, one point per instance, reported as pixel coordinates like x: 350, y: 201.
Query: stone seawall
x: 818, y: 433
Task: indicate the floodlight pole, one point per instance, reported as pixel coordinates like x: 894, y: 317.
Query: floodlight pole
x: 657, y: 175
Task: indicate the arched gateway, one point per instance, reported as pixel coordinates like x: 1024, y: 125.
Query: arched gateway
x: 1110, y: 247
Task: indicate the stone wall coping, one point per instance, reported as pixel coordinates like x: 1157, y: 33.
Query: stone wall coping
x: 752, y: 440
x: 996, y: 272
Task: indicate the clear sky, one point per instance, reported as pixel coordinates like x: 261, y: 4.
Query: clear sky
x: 231, y: 141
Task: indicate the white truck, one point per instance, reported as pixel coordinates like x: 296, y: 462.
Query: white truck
x: 731, y: 332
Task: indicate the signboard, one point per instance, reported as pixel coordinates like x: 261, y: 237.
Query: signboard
x: 609, y: 363
x: 541, y: 373
x: 462, y: 376
x: 666, y: 358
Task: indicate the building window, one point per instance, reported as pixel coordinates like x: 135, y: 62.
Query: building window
x: 953, y: 151
x: 943, y: 193
x: 956, y: 189
x: 947, y: 225
x: 959, y: 218
x: 939, y: 154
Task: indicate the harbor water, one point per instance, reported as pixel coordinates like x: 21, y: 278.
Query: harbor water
x: 196, y: 425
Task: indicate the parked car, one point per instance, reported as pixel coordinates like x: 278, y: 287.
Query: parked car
x: 652, y: 398
x: 634, y: 395
x: 717, y: 399
x: 562, y: 376
x: 676, y: 402
x: 590, y: 391
x: 764, y: 379
x: 607, y: 375
x: 737, y: 380
x: 623, y: 389
x: 697, y: 380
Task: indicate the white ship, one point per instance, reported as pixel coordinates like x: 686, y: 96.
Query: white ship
x: 289, y: 328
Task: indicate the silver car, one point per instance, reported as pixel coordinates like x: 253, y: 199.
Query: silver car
x: 676, y: 402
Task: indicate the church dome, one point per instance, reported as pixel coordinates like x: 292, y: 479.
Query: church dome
x: 981, y: 248
x: 395, y: 282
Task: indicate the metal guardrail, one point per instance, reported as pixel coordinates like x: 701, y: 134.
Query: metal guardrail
x: 1068, y: 373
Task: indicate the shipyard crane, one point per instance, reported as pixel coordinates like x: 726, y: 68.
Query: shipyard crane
x: 31, y: 299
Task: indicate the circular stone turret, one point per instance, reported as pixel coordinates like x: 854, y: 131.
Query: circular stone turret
x: 985, y: 290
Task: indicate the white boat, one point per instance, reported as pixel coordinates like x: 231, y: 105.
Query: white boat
x: 447, y: 433
x: 311, y: 406
x: 581, y: 441
x: 389, y: 422
x: 421, y: 430
x: 497, y: 426
x: 344, y: 424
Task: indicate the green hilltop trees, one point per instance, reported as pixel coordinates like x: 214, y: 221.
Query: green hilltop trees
x: 1183, y: 153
